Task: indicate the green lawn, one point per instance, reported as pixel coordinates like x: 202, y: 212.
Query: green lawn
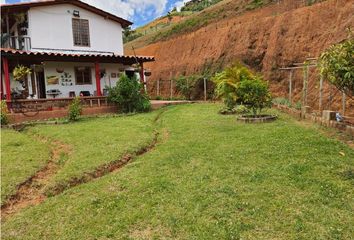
x: 21, y: 157
x: 95, y: 142
x: 208, y: 178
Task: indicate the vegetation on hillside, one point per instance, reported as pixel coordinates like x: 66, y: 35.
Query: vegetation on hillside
x: 204, y: 16
x: 198, y: 5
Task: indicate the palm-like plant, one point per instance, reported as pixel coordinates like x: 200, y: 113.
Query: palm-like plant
x: 228, y: 81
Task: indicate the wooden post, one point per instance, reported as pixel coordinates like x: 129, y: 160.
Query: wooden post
x: 343, y: 103
x: 304, y: 93
x: 98, y: 79
x: 171, y: 89
x: 158, y: 88
x: 205, y: 89
x: 330, y: 97
x: 321, y: 94
x: 291, y: 86
x: 5, y: 65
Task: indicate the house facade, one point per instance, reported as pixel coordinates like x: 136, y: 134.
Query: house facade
x: 72, y: 48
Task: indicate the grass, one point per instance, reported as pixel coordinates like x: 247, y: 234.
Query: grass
x: 209, y: 178
x: 21, y: 157
x: 95, y: 142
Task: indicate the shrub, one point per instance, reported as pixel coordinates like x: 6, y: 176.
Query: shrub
x: 228, y: 81
x: 127, y: 94
x: 282, y: 101
x: 337, y: 65
x: 255, y: 94
x: 241, y: 109
x: 186, y: 85
x: 75, y: 109
x: 3, y: 115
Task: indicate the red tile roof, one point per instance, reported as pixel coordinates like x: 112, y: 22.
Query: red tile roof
x: 38, y: 3
x: 107, y: 57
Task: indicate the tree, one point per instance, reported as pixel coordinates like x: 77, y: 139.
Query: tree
x: 128, y: 96
x: 254, y: 93
x: 337, y: 65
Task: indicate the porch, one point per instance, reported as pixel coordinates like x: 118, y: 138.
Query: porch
x: 25, y: 110
x: 64, y: 75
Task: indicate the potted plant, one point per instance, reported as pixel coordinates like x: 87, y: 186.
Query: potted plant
x: 20, y: 73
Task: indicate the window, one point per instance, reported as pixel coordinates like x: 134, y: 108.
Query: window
x: 83, y: 75
x: 81, y: 32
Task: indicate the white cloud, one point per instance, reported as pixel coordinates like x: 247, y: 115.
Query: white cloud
x: 128, y: 8
x: 179, y: 4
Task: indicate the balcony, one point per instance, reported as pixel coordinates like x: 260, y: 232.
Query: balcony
x: 16, y: 42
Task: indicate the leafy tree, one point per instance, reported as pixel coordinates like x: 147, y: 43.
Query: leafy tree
x: 127, y: 94
x: 228, y: 81
x: 255, y: 94
x: 337, y: 65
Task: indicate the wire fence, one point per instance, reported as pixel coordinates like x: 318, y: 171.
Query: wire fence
x: 303, y: 86
x: 167, y: 89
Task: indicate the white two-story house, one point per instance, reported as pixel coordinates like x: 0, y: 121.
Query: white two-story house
x: 72, y: 48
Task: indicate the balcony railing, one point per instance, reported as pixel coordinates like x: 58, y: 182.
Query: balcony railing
x: 16, y: 42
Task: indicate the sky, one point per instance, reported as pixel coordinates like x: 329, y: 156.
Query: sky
x: 139, y: 12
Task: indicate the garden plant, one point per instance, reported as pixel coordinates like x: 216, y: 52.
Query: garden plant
x: 129, y: 95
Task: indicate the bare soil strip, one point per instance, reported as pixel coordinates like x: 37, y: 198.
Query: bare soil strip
x: 31, y: 192
x: 105, y: 168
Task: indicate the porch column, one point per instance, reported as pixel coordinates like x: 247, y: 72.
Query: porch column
x: 2, y: 87
x: 5, y: 65
x: 142, y: 73
x: 142, y: 76
x: 98, y: 79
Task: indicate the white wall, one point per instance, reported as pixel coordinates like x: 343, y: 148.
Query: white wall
x: 50, y: 69
x: 51, y: 27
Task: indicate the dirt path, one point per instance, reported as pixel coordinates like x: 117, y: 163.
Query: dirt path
x: 31, y: 192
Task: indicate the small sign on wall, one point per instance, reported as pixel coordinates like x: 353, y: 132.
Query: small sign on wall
x: 52, y: 80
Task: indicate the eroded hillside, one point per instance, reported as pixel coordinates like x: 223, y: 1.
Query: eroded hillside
x: 265, y: 39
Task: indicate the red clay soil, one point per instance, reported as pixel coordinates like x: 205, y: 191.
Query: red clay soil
x: 265, y: 39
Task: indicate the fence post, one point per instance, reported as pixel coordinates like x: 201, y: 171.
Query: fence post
x: 205, y: 89
x: 343, y: 102
x: 304, y: 94
x: 171, y: 89
x: 321, y: 93
x: 330, y: 98
x: 291, y: 86
x: 158, y: 88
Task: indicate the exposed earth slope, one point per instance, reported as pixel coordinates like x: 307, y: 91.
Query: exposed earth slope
x: 264, y: 38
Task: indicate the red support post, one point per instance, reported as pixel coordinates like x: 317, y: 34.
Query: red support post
x: 98, y: 79
x: 5, y: 65
x: 2, y: 87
